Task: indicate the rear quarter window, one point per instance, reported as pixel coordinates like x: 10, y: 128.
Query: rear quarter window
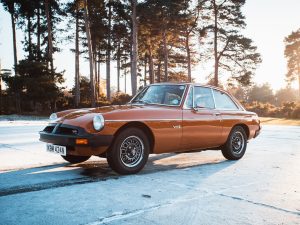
x: 223, y: 101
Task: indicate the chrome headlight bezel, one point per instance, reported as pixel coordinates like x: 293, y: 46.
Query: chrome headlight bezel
x: 98, y: 122
x: 53, y: 117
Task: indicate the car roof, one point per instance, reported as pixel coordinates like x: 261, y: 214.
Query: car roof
x: 189, y: 83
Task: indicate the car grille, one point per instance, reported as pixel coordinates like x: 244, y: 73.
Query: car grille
x: 66, y: 131
x: 60, y: 130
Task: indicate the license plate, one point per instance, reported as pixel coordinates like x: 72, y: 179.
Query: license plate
x: 57, y: 149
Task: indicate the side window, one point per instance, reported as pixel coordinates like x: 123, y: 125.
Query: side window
x: 203, y: 98
x: 223, y: 101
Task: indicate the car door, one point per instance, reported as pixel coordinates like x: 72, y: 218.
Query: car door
x: 201, y: 122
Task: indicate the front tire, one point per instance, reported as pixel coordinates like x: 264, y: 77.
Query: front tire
x: 129, y: 152
x: 236, y: 144
x: 75, y: 158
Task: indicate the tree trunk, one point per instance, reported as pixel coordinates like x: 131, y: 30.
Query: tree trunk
x: 125, y: 77
x: 49, y: 29
x: 158, y: 72
x: 77, y: 75
x: 13, y: 25
x: 151, y: 66
x: 166, y: 56
x: 118, y: 67
x: 96, y: 70
x: 96, y: 76
x: 30, y: 53
x: 108, y: 51
x: 134, y: 49
x: 145, y: 71
x: 90, y: 50
x: 38, y: 31
x: 216, y: 76
x: 99, y: 77
x: 188, y: 55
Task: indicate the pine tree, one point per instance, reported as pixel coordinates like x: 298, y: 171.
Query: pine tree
x: 134, y: 47
x: 90, y: 51
x: 74, y: 15
x: 233, y: 52
x: 292, y: 54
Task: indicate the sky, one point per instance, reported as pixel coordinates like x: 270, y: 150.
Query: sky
x: 268, y: 22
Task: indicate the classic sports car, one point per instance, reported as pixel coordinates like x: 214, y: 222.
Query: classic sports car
x: 161, y: 118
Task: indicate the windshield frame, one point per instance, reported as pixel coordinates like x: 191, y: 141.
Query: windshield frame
x: 161, y: 84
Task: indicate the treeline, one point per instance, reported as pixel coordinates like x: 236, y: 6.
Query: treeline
x: 266, y: 102
x: 150, y: 41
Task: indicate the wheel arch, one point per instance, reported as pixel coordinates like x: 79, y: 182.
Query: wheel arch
x: 245, y: 127
x: 141, y: 126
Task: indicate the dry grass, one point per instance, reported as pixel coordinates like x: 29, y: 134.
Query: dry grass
x: 279, y: 121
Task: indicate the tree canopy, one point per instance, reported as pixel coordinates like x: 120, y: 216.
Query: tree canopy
x: 292, y: 54
x: 149, y: 41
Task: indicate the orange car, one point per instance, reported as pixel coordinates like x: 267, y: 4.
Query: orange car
x: 161, y: 118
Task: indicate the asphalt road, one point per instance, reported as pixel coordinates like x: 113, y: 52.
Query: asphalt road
x: 37, y: 187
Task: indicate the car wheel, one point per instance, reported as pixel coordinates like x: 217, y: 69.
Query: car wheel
x: 236, y: 144
x: 129, y: 152
x: 75, y: 158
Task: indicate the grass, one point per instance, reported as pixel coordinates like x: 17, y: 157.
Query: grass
x: 279, y: 121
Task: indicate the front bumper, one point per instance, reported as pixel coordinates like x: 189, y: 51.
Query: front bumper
x: 62, y: 134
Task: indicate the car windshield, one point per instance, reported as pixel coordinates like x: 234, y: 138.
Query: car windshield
x: 160, y: 94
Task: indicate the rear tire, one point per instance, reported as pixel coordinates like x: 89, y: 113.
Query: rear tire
x: 75, y: 158
x: 129, y: 151
x: 236, y: 144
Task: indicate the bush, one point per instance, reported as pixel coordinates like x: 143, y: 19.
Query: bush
x: 286, y: 110
x: 120, y: 98
x: 296, y: 112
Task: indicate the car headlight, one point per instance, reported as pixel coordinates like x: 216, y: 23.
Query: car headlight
x: 98, y: 122
x: 53, y: 116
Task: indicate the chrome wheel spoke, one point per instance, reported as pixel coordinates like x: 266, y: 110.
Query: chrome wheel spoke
x: 237, y: 142
x: 131, y: 151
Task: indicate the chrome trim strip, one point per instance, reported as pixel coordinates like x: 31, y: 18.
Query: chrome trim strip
x: 145, y: 120
x: 150, y: 120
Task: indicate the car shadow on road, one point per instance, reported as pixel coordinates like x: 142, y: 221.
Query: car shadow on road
x: 63, y: 174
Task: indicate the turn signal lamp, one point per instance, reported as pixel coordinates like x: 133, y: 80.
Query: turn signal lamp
x: 81, y: 141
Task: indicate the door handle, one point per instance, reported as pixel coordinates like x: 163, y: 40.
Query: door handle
x: 217, y: 114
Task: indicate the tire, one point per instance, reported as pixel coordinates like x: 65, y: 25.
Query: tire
x: 136, y: 148
x: 75, y: 158
x: 236, y: 144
